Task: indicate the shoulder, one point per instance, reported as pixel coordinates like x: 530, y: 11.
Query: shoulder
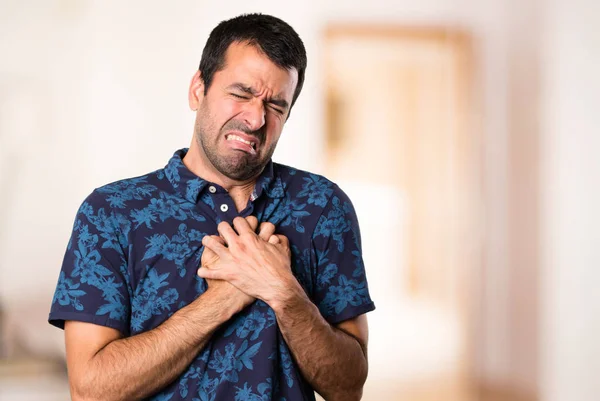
x: 311, y: 188
x: 110, y: 208
x: 119, y: 195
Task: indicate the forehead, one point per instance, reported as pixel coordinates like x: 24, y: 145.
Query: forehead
x: 247, y: 65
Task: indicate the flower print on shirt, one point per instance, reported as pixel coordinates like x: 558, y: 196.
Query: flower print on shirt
x: 285, y: 362
x: 113, y: 228
x: 172, y: 173
x: 327, y: 275
x: 193, y: 188
x: 287, y: 212
x: 318, y: 190
x: 265, y: 391
x: 231, y: 361
x: 207, y: 199
x: 207, y: 388
x: 67, y: 292
x: 177, y: 248
x: 124, y: 191
x: 301, y: 267
x: 244, y: 325
x: 148, y: 299
x: 348, y: 292
x: 163, y: 208
x: 90, y: 270
x: 335, y: 224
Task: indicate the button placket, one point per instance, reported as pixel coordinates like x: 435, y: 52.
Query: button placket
x: 223, y: 203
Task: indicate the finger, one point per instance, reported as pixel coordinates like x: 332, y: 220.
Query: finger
x: 209, y: 273
x: 220, y: 240
x: 253, y: 221
x: 227, y: 232
x: 266, y: 231
x: 283, y: 240
x: 215, y: 244
x: 242, y: 226
x: 273, y: 239
x: 217, y: 238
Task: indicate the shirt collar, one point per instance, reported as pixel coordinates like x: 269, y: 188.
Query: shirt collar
x: 268, y: 183
x: 189, y: 185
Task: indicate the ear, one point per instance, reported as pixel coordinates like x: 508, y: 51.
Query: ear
x: 196, y: 92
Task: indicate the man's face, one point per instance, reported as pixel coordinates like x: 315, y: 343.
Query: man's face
x: 239, y: 120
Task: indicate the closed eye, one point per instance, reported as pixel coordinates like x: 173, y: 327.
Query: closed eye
x: 278, y: 111
x: 238, y: 96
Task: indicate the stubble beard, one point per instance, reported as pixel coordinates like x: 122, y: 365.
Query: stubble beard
x: 241, y: 167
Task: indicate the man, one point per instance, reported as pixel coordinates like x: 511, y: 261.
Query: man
x: 171, y: 289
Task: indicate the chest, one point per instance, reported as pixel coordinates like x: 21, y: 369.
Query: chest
x: 165, y: 255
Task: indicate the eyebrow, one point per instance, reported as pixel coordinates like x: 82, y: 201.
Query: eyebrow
x: 250, y: 91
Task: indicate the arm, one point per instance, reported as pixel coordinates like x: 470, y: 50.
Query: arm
x: 104, y: 366
x: 332, y: 359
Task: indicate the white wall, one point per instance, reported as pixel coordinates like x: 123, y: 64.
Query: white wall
x: 42, y: 168
x: 571, y: 194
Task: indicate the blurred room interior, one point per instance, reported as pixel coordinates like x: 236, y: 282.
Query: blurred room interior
x: 468, y: 124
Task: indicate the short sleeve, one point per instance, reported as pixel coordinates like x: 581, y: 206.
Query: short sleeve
x: 341, y: 287
x: 93, y: 282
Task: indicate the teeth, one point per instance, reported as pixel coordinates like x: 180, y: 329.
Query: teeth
x: 237, y: 138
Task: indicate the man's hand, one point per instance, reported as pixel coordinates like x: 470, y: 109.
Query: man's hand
x: 209, y: 258
x: 332, y: 359
x: 258, y: 265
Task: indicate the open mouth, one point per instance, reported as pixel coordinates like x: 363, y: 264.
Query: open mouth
x: 245, y: 143
x: 232, y: 137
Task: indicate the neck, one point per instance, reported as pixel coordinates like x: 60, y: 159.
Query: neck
x: 195, y: 160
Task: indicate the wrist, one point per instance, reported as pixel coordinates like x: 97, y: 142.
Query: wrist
x: 287, y: 297
x: 224, y: 305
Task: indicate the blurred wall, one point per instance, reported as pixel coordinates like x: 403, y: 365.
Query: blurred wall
x: 524, y: 69
x: 571, y: 196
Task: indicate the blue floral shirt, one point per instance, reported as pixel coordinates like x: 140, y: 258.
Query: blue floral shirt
x: 136, y: 245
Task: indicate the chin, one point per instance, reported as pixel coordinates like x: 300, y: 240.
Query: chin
x: 242, y: 173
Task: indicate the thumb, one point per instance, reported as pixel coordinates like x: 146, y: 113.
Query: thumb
x: 207, y: 273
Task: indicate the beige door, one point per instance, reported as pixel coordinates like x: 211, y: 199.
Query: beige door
x: 400, y: 144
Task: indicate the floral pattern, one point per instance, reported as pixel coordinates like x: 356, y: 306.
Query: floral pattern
x: 318, y: 190
x: 335, y: 224
x: 178, y: 248
x: 347, y: 292
x: 165, y: 207
x: 67, y: 293
x: 290, y: 212
x: 119, y: 193
x: 135, y: 247
x: 152, y: 299
x: 249, y: 325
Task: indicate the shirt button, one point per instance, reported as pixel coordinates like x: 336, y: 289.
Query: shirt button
x: 212, y: 189
x: 224, y: 207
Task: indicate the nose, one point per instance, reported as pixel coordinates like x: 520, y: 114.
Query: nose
x: 254, y: 115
